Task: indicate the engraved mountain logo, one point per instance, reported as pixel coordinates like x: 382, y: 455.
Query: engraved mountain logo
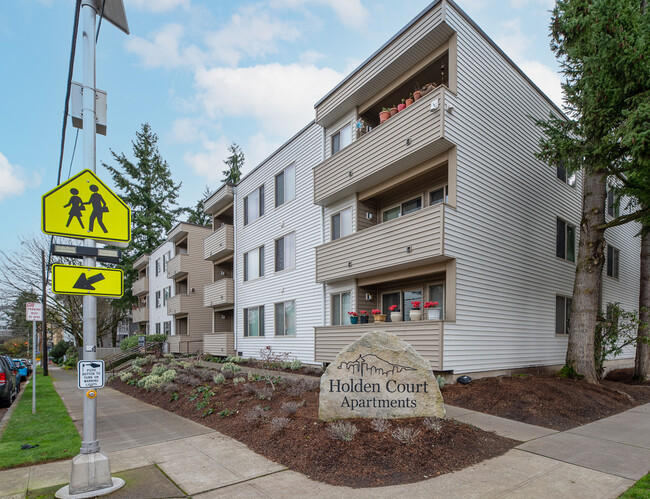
x: 372, y: 364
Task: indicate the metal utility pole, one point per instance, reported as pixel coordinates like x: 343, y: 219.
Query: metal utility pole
x: 44, y: 323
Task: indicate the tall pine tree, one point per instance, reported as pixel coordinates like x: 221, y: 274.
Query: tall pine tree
x: 234, y: 162
x: 196, y: 215
x: 146, y: 185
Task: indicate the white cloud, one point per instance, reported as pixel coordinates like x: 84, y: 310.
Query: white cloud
x: 208, y: 163
x: 158, y: 5
x: 249, y: 32
x: 546, y: 78
x: 257, y: 149
x: 350, y: 12
x: 281, y: 97
x: 165, y: 50
x: 520, y: 4
x: 310, y: 57
x: 12, y: 181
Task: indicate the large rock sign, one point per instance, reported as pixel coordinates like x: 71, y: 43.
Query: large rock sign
x: 379, y: 376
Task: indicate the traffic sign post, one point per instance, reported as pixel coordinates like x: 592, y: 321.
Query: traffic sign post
x: 87, y: 281
x: 34, y: 314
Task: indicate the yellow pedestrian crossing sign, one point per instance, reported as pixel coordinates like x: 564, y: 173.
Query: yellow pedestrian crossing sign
x: 95, y: 281
x: 84, y: 207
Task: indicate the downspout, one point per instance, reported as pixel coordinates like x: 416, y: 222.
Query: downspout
x: 234, y: 265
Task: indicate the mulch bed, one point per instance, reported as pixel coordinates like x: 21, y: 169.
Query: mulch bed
x: 371, y: 459
x: 549, y: 401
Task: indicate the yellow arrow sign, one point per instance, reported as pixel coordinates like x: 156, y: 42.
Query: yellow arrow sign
x: 96, y: 281
x: 84, y: 207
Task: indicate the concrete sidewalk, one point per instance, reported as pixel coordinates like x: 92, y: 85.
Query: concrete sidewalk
x: 598, y: 460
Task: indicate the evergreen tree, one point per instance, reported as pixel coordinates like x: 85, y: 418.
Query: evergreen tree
x: 234, y: 162
x: 147, y: 187
x: 196, y: 215
x: 18, y: 323
x: 603, y: 49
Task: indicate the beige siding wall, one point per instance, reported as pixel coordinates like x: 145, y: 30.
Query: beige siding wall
x: 219, y: 244
x: 141, y: 314
x: 424, y: 336
x: 219, y: 343
x: 220, y: 293
x: 219, y: 200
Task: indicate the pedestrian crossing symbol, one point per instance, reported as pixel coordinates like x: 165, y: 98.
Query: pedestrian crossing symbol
x: 84, y: 207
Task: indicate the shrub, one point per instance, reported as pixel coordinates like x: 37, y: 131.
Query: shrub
x: 406, y: 436
x: 441, y: 381
x: 236, y: 381
x: 255, y: 414
x: 58, y: 351
x: 295, y: 365
x: 152, y: 382
x: 263, y: 392
x: 169, y: 375
x: 380, y: 425
x: 279, y: 424
x: 291, y: 407
x: 205, y: 374
x: 158, y: 369
x: 137, y: 370
x: 236, y: 359
x: 432, y: 424
x: 126, y: 376
x: 168, y: 387
x: 230, y: 366
x: 296, y: 388
x: 169, y: 356
x: 186, y: 379
x: 342, y: 431
x: 219, y: 379
x: 271, y: 358
x: 132, y: 341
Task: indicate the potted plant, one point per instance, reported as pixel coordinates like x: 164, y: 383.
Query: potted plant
x: 384, y: 115
x: 395, y: 314
x: 363, y: 317
x: 354, y: 317
x: 417, y: 95
x: 433, y: 312
x: 393, y: 110
x: 415, y: 314
x: 379, y: 317
x: 401, y: 106
x: 409, y: 101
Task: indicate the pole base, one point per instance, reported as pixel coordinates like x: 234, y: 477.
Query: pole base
x: 90, y: 476
x: 64, y: 492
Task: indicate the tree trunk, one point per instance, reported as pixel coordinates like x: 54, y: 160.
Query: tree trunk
x: 586, y: 289
x: 642, y: 360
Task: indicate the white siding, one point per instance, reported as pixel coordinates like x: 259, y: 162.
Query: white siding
x: 159, y: 283
x: 339, y: 287
x: 300, y: 216
x: 503, y: 231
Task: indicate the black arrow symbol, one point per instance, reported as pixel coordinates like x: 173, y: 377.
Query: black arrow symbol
x: 87, y: 283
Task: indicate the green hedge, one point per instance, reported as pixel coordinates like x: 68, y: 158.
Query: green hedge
x: 132, y: 341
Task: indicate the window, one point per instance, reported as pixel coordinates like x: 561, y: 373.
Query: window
x: 437, y: 293
x: 439, y: 196
x: 564, y: 177
x: 158, y: 266
x: 402, y: 299
x: 342, y: 224
x: 612, y: 261
x: 166, y: 257
x: 565, y: 242
x: 254, y: 205
x: 254, y: 264
x: 612, y: 204
x: 157, y: 299
x: 285, y: 185
x: 562, y: 315
x: 285, y: 252
x: 403, y: 209
x: 167, y: 292
x: 285, y: 318
x: 167, y: 327
x: 342, y: 138
x: 157, y: 327
x: 390, y: 299
x: 254, y: 321
x: 340, y: 308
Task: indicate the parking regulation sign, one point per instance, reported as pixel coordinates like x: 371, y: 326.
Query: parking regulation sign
x: 90, y: 374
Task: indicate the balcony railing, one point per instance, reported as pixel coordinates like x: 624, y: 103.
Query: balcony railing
x: 219, y: 343
x: 220, y: 293
x: 407, y: 139
x: 178, y: 266
x: 219, y: 200
x: 179, y: 304
x: 140, y: 287
x: 424, y: 336
x: 408, y: 241
x: 219, y: 244
x: 141, y: 314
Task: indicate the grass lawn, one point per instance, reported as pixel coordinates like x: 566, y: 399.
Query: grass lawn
x: 51, y: 428
x: 640, y: 490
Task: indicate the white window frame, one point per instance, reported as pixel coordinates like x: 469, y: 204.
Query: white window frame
x: 260, y: 205
x: 288, y: 243
x: 344, y: 318
x: 347, y: 212
x: 284, y: 331
x: 157, y: 267
x: 341, y: 133
x: 158, y: 299
x: 287, y: 178
x: 260, y: 321
x: 167, y: 293
x: 260, y: 256
x: 167, y: 328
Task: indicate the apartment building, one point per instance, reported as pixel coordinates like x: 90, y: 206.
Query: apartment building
x: 219, y: 294
x: 153, y: 289
x: 445, y: 201
x: 189, y: 273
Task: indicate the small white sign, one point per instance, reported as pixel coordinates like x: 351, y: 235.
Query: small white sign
x: 34, y: 312
x: 90, y: 374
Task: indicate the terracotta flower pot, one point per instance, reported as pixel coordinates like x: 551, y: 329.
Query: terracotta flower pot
x: 401, y: 107
x: 393, y: 111
x: 383, y: 116
x: 380, y: 317
x: 417, y: 95
x: 409, y: 102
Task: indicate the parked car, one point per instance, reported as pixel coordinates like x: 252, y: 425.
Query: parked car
x: 8, y: 382
x: 28, y: 363
x: 22, y: 369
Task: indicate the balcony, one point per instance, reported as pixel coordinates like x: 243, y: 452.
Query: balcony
x: 141, y: 314
x: 408, y: 241
x: 179, y: 304
x: 141, y: 262
x: 219, y: 294
x: 179, y: 266
x: 140, y: 287
x: 220, y: 200
x: 409, y: 138
x: 424, y: 336
x: 221, y: 344
x: 219, y: 244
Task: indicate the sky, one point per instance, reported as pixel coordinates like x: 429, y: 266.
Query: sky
x: 203, y: 74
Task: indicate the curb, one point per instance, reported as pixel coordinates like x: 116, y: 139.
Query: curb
x: 12, y: 407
